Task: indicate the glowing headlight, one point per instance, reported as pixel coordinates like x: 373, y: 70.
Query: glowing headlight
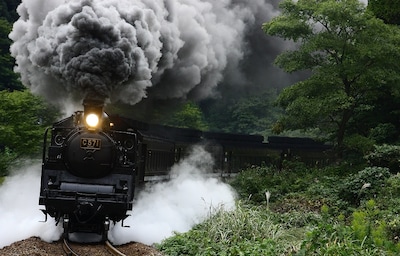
x: 92, y: 120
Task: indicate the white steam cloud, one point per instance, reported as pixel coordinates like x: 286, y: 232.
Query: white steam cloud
x: 117, y: 49
x: 20, y: 216
x: 177, y: 205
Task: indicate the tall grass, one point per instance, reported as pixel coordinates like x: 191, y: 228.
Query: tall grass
x: 247, y: 230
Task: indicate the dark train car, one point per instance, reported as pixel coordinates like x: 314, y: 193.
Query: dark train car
x: 157, y: 148
x: 88, y: 172
x: 238, y: 151
x: 162, y: 146
x: 307, y: 150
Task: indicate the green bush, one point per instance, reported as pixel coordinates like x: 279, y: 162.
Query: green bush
x: 363, y: 185
x: 357, y: 145
x: 390, y: 201
x: 393, y: 227
x: 325, y: 188
x: 392, y: 187
x: 385, y: 156
x: 253, y: 183
x: 383, y: 133
x: 370, y: 226
x: 330, y: 239
x: 366, y: 235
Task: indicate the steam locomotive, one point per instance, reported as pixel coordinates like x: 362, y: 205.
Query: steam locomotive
x: 88, y: 172
x: 93, y: 163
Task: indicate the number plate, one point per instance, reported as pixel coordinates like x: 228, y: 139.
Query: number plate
x: 90, y: 143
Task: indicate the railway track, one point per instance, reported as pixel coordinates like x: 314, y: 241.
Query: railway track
x: 114, y: 251
x: 107, y: 246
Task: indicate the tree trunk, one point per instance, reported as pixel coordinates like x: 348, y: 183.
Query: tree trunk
x: 342, y: 131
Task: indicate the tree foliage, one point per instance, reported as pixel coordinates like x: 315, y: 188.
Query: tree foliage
x: 253, y: 114
x: 23, y: 118
x: 250, y: 114
x: 188, y: 115
x: 8, y: 9
x: 387, y: 10
x: 8, y: 79
x: 352, y: 56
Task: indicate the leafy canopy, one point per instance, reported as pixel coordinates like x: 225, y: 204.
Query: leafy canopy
x: 387, y: 10
x: 351, y: 55
x: 8, y: 79
x: 250, y: 114
x: 23, y: 119
x: 188, y: 115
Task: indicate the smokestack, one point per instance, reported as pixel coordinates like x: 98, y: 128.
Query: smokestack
x: 93, y: 105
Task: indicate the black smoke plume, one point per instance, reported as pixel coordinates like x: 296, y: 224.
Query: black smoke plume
x: 126, y: 50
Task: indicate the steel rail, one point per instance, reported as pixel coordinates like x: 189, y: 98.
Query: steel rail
x: 108, y: 246
x: 68, y: 250
x: 113, y: 250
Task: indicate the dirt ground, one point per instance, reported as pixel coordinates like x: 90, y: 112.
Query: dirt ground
x: 35, y: 247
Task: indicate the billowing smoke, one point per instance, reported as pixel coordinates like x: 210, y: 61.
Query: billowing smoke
x: 119, y: 49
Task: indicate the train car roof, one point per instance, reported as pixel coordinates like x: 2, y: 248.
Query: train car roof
x: 284, y: 143
x: 184, y: 134
x: 187, y: 135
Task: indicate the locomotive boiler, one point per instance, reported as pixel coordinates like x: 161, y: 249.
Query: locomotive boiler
x: 88, y: 172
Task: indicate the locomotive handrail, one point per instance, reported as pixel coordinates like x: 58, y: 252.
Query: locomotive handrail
x: 44, y: 144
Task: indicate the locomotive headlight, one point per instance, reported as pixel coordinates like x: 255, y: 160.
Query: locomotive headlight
x: 92, y: 120
x: 94, y: 117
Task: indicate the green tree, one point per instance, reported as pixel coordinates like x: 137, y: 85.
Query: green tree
x: 188, y: 115
x: 8, y: 78
x: 254, y: 114
x: 250, y: 114
x: 387, y: 10
x: 8, y: 9
x: 352, y: 56
x: 23, y: 119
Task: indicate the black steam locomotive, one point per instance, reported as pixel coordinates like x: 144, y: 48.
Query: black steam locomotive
x: 93, y: 163
x: 88, y: 172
